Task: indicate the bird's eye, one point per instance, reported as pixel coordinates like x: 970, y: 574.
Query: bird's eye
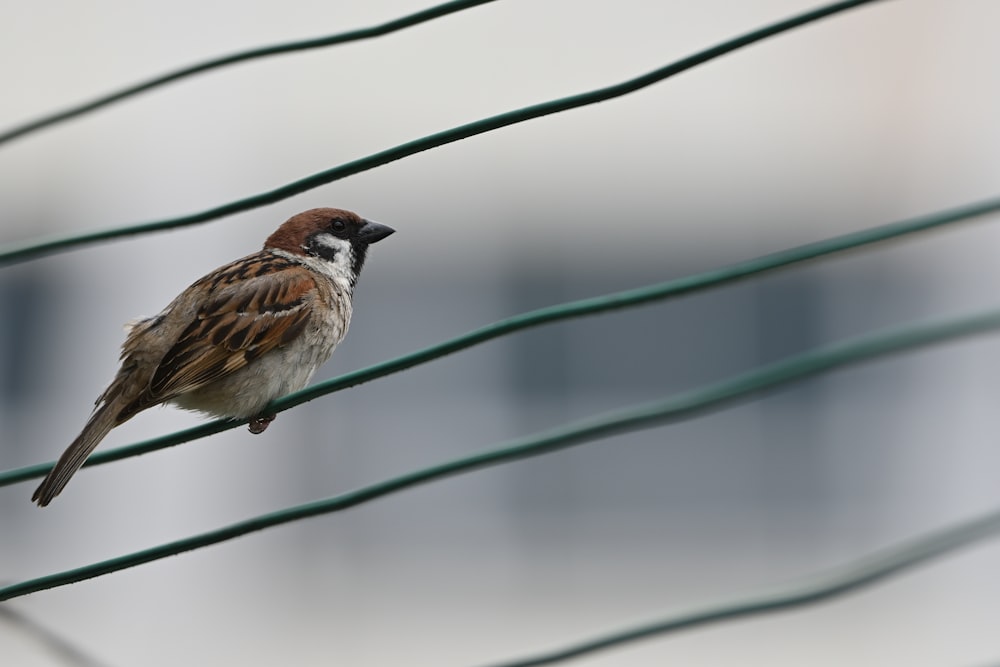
x: 338, y: 225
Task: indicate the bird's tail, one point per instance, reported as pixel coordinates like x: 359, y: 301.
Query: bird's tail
x: 101, y: 422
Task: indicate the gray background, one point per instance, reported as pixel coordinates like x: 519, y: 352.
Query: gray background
x: 876, y: 115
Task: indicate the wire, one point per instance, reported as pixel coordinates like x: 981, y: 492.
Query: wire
x: 682, y: 406
x: 20, y: 251
x: 242, y: 56
x: 845, y: 579
x: 559, y: 312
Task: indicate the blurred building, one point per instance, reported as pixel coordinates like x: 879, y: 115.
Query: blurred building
x: 876, y: 115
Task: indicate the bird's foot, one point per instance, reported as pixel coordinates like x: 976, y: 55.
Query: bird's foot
x: 260, y: 423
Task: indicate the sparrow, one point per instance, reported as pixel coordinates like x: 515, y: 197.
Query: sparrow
x: 245, y: 334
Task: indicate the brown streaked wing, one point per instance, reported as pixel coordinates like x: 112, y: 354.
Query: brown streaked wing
x: 234, y: 328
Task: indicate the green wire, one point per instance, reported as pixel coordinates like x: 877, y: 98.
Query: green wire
x: 565, y: 311
x: 676, y: 408
x: 251, y: 54
x: 15, y: 252
x: 845, y: 579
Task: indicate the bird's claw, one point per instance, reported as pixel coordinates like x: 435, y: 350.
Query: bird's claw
x: 259, y: 424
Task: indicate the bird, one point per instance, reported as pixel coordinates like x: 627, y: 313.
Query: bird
x: 243, y: 335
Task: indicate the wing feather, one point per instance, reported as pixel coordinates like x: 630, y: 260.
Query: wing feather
x: 241, y: 323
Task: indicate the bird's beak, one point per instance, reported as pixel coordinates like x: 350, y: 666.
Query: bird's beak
x: 372, y: 232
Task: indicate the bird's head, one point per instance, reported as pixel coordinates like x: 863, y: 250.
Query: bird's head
x: 340, y: 238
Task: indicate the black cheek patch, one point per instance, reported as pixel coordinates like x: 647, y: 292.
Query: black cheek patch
x: 317, y: 248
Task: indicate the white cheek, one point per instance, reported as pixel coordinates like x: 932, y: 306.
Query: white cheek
x: 344, y: 257
x: 338, y: 271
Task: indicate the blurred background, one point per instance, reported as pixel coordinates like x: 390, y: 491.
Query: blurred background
x: 875, y: 115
